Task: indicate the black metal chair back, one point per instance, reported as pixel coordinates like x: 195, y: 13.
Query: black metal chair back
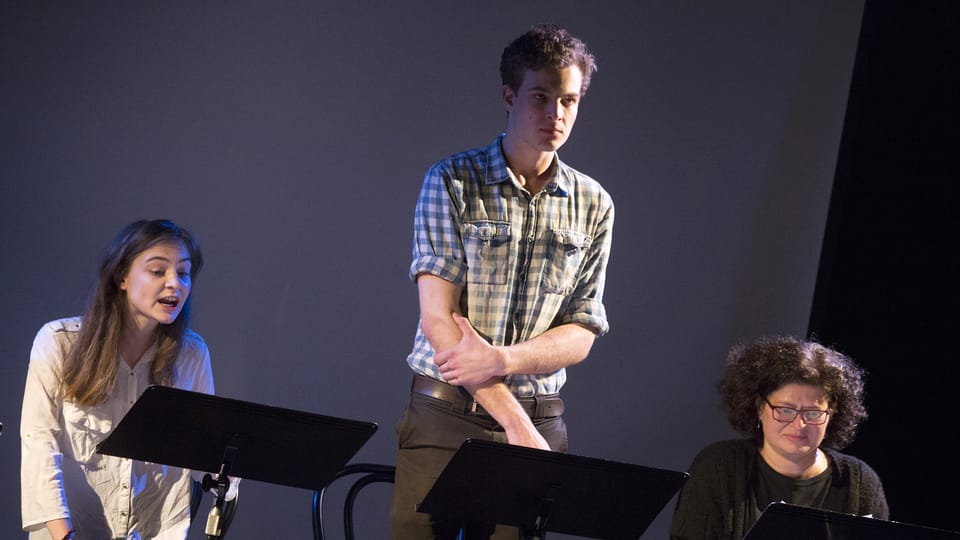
x: 372, y: 473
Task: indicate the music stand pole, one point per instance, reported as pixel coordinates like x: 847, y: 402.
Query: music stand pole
x: 540, y: 526
x: 213, y: 529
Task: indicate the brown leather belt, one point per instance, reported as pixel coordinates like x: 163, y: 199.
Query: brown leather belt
x: 546, y: 406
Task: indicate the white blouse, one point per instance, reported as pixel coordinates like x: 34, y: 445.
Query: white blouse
x: 61, y: 475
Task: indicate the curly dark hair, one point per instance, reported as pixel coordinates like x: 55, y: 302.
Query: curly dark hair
x: 756, y: 370
x: 545, y: 45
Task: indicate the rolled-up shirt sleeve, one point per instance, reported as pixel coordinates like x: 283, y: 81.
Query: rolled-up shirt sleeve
x: 437, y: 244
x: 43, y: 496
x: 585, y: 305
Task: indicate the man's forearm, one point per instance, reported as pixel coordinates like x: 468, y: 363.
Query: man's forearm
x: 58, y: 528
x: 493, y: 395
x: 557, y: 348
x: 497, y: 399
x: 466, y: 359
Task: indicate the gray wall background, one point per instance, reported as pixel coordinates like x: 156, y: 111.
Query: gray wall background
x: 291, y: 137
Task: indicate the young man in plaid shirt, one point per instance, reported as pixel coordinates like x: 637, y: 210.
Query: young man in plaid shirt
x: 509, y: 256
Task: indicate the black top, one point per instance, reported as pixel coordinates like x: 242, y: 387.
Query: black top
x: 720, y: 500
x: 771, y: 486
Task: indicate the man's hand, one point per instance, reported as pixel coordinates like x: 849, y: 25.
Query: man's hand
x: 473, y: 360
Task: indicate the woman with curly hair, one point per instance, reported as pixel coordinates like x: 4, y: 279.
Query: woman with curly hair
x: 84, y: 375
x: 797, y: 403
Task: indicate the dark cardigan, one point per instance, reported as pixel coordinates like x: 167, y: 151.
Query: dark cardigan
x: 718, y: 500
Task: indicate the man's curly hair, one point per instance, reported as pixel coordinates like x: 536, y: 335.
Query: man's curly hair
x: 545, y: 46
x: 756, y: 370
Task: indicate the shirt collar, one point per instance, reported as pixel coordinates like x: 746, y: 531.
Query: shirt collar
x: 497, y: 170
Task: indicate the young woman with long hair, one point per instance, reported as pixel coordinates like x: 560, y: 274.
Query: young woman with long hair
x: 84, y: 375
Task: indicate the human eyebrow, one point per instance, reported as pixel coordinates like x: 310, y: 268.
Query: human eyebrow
x: 800, y: 408
x: 552, y: 93
x: 161, y: 258
x: 539, y: 90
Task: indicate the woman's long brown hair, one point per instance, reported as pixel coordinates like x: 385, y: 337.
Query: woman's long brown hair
x: 90, y: 365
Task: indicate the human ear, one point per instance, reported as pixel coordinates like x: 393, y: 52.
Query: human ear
x: 508, y: 97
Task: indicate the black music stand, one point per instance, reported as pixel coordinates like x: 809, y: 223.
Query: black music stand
x: 540, y: 491
x: 782, y: 521
x: 237, y: 438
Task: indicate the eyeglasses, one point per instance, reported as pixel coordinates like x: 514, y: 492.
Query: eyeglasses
x: 787, y: 414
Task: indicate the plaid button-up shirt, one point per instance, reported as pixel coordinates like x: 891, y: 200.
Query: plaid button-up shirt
x: 527, y: 263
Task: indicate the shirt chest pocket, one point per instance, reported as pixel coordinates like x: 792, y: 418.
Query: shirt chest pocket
x: 85, y: 428
x: 487, y: 249
x: 565, y: 252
